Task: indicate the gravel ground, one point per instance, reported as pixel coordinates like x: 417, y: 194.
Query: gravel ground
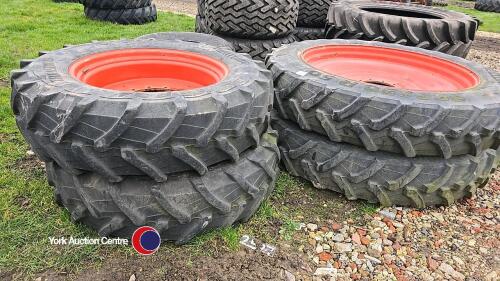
x: 178, y: 6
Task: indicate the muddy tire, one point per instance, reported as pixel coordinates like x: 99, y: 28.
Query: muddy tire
x: 123, y: 16
x: 101, y: 127
x: 309, y: 33
x: 179, y: 209
x: 258, y: 49
x: 116, y: 4
x: 413, y: 25
x: 488, y: 5
x: 255, y: 19
x: 381, y: 177
x: 313, y: 13
x: 413, y: 123
x: 189, y: 37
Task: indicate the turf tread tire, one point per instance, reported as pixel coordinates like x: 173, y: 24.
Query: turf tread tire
x: 313, y: 13
x: 258, y: 49
x: 309, y: 33
x: 381, y: 177
x: 252, y: 19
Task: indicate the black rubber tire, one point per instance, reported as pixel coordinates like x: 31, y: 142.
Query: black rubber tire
x: 201, y: 7
x: 189, y: 37
x: 488, y: 5
x: 385, y: 118
x: 252, y: 19
x: 201, y: 25
x: 116, y: 4
x: 258, y: 49
x: 451, y: 33
x: 313, y: 13
x: 179, y: 209
x: 381, y: 177
x: 140, y: 127
x: 309, y: 33
x: 123, y: 16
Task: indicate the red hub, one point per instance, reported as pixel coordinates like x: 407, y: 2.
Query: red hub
x: 391, y: 68
x: 148, y: 70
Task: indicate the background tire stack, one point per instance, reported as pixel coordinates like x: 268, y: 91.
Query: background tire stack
x: 121, y: 11
x: 312, y: 19
x: 181, y: 161
x: 384, y: 144
x: 254, y: 27
x: 412, y: 25
x: 488, y: 5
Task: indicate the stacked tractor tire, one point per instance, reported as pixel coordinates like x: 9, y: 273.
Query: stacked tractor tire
x: 183, y: 132
x: 120, y: 11
x: 169, y: 133
x: 254, y: 27
x: 312, y: 19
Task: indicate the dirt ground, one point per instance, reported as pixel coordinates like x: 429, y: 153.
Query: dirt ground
x: 177, y: 6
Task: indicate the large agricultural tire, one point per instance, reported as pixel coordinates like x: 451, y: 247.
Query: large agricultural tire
x: 252, y: 19
x: 313, y: 13
x: 189, y: 37
x: 488, y: 5
x: 413, y: 25
x: 179, y: 209
x: 151, y: 132
x: 123, y: 16
x: 368, y: 105
x: 258, y: 49
x: 381, y: 177
x: 309, y: 33
x: 116, y: 4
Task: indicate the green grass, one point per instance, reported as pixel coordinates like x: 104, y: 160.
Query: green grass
x: 491, y: 21
x: 28, y: 215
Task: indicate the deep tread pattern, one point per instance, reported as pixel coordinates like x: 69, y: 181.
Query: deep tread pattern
x: 313, y: 13
x: 116, y: 4
x: 256, y: 19
x: 259, y: 49
x: 309, y: 33
x: 201, y: 25
x: 179, y: 209
x: 134, y: 133
x: 487, y: 5
x: 123, y: 16
x: 451, y: 33
x: 381, y: 177
x: 382, y: 118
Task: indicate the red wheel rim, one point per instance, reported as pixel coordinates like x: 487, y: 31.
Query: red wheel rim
x: 391, y: 68
x: 148, y: 70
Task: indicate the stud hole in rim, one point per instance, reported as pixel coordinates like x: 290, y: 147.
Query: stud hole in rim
x: 390, y: 67
x: 149, y: 70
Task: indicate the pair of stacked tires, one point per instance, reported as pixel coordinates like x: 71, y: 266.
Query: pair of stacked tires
x: 254, y: 27
x: 169, y: 133
x: 387, y: 123
x: 121, y: 11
